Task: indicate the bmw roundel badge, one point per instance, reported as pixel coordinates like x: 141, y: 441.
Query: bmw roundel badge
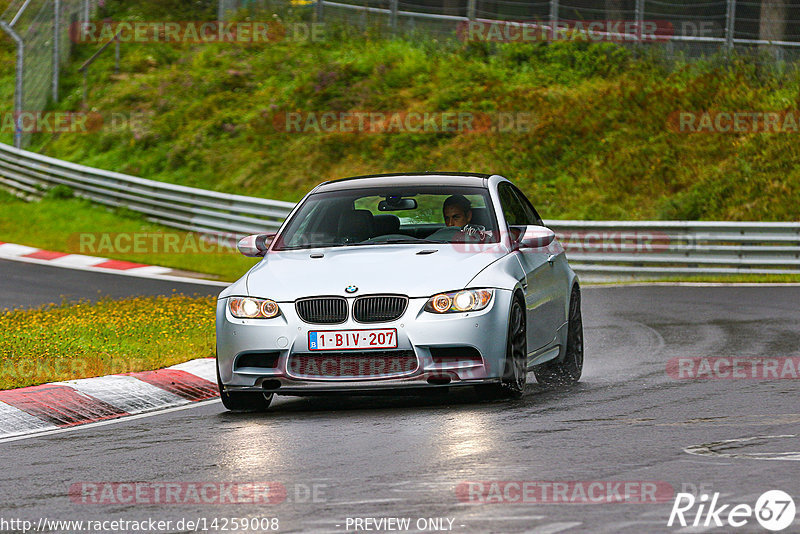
x: 351, y: 289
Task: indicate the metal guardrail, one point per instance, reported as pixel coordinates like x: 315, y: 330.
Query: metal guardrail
x: 187, y: 208
x: 596, y: 248
x: 679, y: 248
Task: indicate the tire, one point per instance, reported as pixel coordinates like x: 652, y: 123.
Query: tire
x: 566, y: 370
x: 243, y: 401
x: 515, y: 364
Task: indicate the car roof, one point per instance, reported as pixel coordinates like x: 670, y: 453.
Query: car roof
x: 468, y: 179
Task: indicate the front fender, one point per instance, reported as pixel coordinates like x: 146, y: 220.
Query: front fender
x: 505, y: 273
x: 238, y: 288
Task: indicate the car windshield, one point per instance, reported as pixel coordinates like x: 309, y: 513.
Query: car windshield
x: 380, y: 216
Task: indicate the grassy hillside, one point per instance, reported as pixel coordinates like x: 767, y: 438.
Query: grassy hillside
x: 600, y: 147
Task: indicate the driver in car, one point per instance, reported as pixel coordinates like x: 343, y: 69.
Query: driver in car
x: 457, y: 211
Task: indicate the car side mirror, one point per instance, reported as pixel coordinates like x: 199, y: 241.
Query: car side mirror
x: 255, y: 246
x: 536, y: 237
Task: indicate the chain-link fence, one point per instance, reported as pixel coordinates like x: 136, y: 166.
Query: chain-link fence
x: 40, y: 30
x: 695, y: 26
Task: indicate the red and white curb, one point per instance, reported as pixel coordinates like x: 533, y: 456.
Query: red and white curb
x: 57, y: 405
x: 24, y: 253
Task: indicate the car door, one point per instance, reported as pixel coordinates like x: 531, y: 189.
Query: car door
x: 540, y: 282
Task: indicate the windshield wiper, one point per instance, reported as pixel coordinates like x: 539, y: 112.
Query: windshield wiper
x: 409, y: 240
x: 312, y: 245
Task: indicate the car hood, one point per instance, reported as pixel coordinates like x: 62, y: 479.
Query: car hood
x: 405, y: 269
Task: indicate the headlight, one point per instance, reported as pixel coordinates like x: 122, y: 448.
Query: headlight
x: 250, y: 308
x: 460, y: 301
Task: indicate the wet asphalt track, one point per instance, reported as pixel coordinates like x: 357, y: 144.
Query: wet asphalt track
x: 403, y: 457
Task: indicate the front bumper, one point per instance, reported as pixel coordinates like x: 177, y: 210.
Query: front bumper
x: 417, y: 331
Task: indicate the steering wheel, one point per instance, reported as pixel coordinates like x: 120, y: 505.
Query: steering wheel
x: 475, y: 230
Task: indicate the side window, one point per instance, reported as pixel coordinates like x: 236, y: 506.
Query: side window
x: 530, y: 213
x: 513, y: 209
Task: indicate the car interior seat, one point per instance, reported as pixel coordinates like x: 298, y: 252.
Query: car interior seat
x: 355, y: 226
x: 481, y: 217
x: 386, y: 224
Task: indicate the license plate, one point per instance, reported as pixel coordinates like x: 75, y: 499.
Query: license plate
x: 352, y: 339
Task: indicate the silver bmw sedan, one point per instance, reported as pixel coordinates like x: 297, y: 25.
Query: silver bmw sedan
x: 401, y: 281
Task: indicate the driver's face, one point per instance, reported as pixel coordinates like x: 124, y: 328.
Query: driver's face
x: 455, y: 216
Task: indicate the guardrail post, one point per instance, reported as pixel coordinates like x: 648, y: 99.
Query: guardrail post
x: 86, y: 64
x: 56, y: 46
x: 553, y: 18
x: 19, y: 86
x: 730, y: 24
x: 471, y: 9
x: 639, y: 15
x: 393, y: 14
x: 116, y: 54
x: 19, y: 91
x: 85, y: 92
x: 365, y: 15
x: 319, y: 11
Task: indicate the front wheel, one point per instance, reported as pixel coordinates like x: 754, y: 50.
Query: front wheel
x: 566, y: 370
x: 243, y: 401
x: 515, y: 367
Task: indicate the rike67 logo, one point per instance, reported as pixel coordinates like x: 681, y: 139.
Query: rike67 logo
x: 774, y: 510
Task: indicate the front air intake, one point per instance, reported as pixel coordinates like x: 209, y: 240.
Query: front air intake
x: 379, y: 308
x: 259, y: 360
x: 322, y: 310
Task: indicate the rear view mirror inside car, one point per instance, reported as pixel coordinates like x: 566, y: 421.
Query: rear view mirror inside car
x: 397, y: 204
